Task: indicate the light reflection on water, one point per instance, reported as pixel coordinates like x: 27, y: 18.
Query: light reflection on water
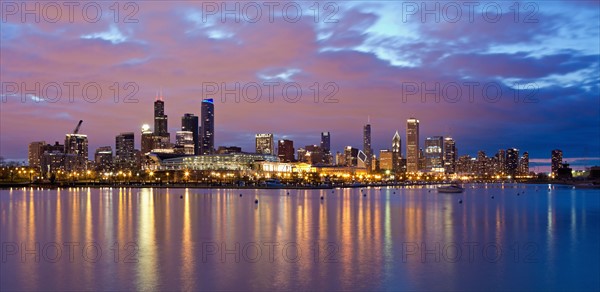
x: 526, y: 237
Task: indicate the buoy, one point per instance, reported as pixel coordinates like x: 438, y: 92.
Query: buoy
x: 256, y: 201
x: 321, y: 197
x: 492, y: 197
x: 394, y: 192
x: 181, y: 197
x: 460, y: 201
x: 518, y: 194
x: 332, y: 192
x: 364, y: 195
x: 240, y: 195
x: 288, y: 193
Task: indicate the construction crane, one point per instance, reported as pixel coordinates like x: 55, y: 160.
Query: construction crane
x: 64, y: 156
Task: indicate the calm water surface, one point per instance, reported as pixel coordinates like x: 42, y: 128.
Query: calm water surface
x: 526, y: 237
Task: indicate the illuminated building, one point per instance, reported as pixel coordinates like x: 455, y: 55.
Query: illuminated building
x: 103, y: 158
x: 265, y: 144
x: 386, y: 160
x: 412, y: 145
x: 524, y: 164
x: 77, y: 145
x: 434, y: 159
x: 189, y: 122
x: 207, y: 127
x: 367, y: 146
x: 124, y: 151
x: 160, y: 119
x: 285, y: 150
x: 232, y: 162
x: 449, y: 155
x: 36, y: 149
x: 351, y: 156
x: 184, y: 143
x: 229, y: 149
x: 557, y: 157
x: 147, y: 140
x: 396, y: 153
x: 512, y: 161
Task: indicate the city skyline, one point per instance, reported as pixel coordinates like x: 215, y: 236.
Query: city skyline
x: 444, y: 149
x: 359, y: 55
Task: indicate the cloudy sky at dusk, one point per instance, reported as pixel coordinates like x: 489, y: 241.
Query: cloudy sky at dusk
x: 526, y: 72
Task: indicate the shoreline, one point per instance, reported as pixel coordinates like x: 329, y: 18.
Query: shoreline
x: 234, y: 187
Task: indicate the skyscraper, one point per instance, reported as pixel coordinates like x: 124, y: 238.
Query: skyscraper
x: 207, y: 139
x: 264, y: 144
x: 434, y: 158
x: 76, y: 146
x: 524, y: 164
x: 326, y: 142
x: 147, y: 141
x: 512, y: 161
x: 396, y: 152
x: 103, y: 158
x: 189, y: 123
x: 449, y: 155
x: 412, y: 145
x: 557, y: 157
x: 36, y: 149
x: 160, y: 119
x: 124, y: 151
x: 367, y: 146
x: 184, y: 142
x: 386, y: 159
x: 285, y: 150
x: 501, y: 162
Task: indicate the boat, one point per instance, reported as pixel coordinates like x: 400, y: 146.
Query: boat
x: 450, y: 189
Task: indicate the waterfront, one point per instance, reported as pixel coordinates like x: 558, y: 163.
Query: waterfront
x: 525, y: 237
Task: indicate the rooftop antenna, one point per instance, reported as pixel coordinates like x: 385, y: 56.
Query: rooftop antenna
x: 161, y: 94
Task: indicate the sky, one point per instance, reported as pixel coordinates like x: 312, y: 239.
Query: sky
x: 492, y: 75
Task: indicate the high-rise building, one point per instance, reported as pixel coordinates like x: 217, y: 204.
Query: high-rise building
x: 124, y: 151
x: 147, y: 140
x: 482, y: 163
x: 207, y: 126
x: 285, y: 150
x: 302, y: 157
x: 184, y: 142
x: 160, y: 119
x: 36, y: 149
x: 340, y: 159
x: 326, y: 148
x: 501, y: 162
x: 512, y: 161
x: 386, y: 160
x: 412, y: 145
x: 351, y: 156
x: 53, y: 159
x: 396, y: 153
x: 104, y: 159
x: 77, y: 146
x: 326, y: 142
x: 367, y: 146
x: 189, y: 122
x: 449, y: 155
x: 557, y: 157
x: 434, y: 157
x: 265, y: 144
x: 524, y: 164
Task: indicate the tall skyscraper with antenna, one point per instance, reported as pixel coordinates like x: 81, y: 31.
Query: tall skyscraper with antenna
x: 160, y: 119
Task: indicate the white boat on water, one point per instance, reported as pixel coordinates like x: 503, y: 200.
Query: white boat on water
x: 450, y: 189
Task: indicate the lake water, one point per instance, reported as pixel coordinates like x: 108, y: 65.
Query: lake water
x: 525, y: 237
